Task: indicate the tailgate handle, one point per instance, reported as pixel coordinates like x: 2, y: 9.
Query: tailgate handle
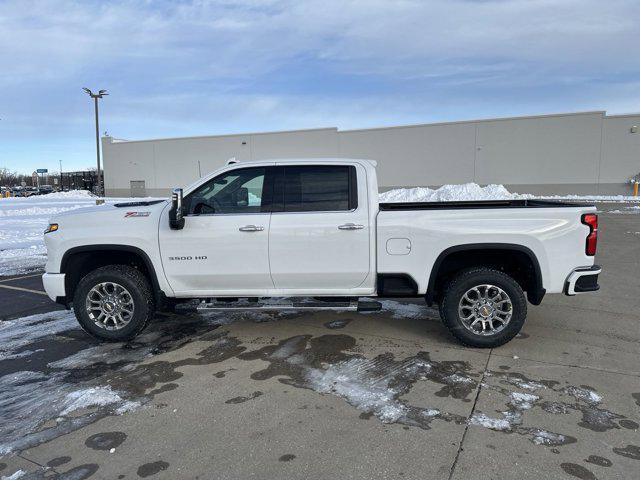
x: 251, y: 228
x: 350, y: 226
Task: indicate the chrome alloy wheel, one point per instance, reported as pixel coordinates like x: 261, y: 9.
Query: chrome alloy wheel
x: 110, y: 306
x: 485, y: 309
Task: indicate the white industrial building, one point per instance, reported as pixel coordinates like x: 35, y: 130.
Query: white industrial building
x: 573, y: 153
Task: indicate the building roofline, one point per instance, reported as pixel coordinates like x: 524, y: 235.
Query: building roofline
x: 623, y: 115
x: 479, y: 120
x: 603, y: 113
x: 196, y: 137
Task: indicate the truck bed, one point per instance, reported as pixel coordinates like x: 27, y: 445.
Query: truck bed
x: 478, y: 204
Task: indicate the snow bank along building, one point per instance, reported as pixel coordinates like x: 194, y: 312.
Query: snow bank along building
x: 573, y: 153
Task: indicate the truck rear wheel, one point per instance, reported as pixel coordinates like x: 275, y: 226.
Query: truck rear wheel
x: 114, y: 303
x: 483, y: 307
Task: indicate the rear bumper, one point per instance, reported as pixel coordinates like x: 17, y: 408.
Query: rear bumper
x: 54, y: 286
x: 583, y: 280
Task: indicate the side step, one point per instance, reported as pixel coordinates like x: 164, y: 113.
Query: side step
x: 298, y: 304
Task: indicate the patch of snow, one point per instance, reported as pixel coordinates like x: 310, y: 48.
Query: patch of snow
x: 348, y: 380
x: 585, y: 394
x: 405, y: 310
x: 22, y: 354
x: 457, y: 378
x: 499, y: 424
x: 16, y: 334
x: 432, y: 412
x: 15, y: 476
x: 542, y: 437
x: 90, y: 397
x: 524, y: 385
x: 626, y: 211
x: 593, y: 198
x: 523, y: 401
x: 127, y: 407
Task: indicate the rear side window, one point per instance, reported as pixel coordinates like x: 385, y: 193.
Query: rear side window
x: 320, y: 188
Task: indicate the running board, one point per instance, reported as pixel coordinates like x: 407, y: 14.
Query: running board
x: 351, y: 306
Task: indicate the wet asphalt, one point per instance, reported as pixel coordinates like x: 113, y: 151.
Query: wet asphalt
x: 332, y: 395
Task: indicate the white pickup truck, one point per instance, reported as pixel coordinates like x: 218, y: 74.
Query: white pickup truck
x: 251, y: 233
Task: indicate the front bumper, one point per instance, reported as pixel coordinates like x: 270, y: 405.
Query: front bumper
x: 583, y: 280
x: 54, y: 286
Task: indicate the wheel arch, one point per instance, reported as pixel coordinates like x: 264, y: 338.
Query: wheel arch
x: 525, y: 268
x: 78, y: 261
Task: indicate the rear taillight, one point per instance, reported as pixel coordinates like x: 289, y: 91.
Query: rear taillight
x: 591, y: 220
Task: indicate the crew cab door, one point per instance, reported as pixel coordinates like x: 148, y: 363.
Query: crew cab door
x: 223, y: 248
x: 320, y: 233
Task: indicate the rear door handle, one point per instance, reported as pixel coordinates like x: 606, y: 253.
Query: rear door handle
x: 251, y: 228
x: 350, y: 226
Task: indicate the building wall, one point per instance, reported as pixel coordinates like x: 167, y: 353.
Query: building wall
x: 583, y: 153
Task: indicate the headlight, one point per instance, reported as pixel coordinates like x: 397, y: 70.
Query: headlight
x: 51, y: 228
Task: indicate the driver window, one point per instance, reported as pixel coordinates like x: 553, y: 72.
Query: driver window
x: 237, y: 191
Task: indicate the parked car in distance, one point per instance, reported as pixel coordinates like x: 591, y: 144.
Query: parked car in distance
x: 251, y: 232
x: 45, y: 189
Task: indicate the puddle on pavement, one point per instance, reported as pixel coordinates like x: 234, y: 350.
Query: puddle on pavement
x: 105, y: 440
x: 577, y: 471
x: 149, y: 469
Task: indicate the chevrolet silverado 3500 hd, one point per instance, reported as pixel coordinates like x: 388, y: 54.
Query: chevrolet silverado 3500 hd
x: 252, y: 232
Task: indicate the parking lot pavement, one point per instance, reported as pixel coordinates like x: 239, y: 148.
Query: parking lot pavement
x: 22, y: 295
x: 336, y: 395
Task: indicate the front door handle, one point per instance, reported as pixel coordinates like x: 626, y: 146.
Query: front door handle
x: 350, y: 226
x: 251, y: 228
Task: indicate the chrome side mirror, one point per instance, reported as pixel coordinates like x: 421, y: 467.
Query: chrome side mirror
x: 176, y: 216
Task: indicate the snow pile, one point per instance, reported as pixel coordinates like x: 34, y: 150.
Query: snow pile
x: 22, y: 224
x: 474, y: 192
x: 450, y: 193
x: 593, y: 198
x: 627, y: 210
x: 82, y: 194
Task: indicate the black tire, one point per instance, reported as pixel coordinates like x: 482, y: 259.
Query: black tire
x: 461, y: 284
x: 137, y: 286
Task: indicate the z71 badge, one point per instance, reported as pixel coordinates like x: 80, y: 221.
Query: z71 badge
x: 136, y: 214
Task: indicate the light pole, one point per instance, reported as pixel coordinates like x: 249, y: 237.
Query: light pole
x: 95, y: 97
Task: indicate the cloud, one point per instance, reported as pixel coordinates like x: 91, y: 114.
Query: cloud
x: 203, y: 66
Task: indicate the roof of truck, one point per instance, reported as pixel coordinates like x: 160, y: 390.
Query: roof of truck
x: 301, y: 160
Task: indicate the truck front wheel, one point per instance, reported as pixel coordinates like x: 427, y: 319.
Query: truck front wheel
x: 114, y: 303
x: 483, y: 307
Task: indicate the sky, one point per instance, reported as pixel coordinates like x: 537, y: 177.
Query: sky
x: 186, y: 68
